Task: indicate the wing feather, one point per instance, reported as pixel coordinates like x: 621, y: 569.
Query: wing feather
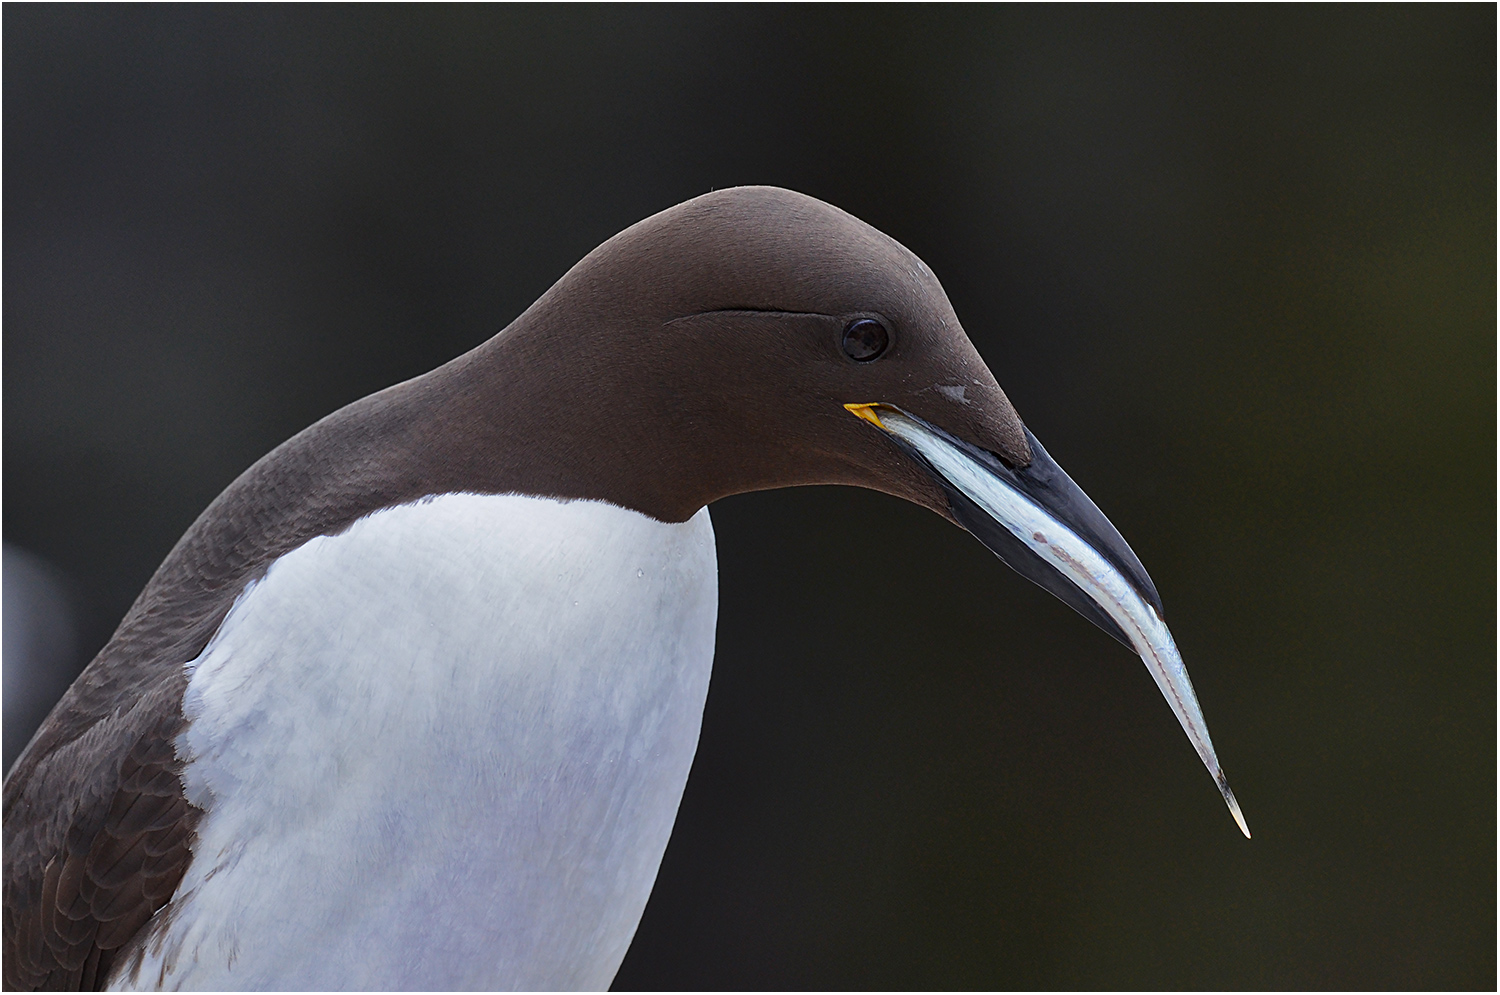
x: 98, y: 831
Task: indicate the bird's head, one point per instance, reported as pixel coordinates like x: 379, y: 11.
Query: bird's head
x: 755, y: 338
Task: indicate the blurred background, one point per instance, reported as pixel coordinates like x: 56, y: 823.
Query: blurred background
x: 1234, y: 266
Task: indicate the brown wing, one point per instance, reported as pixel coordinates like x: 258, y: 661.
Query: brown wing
x: 97, y: 831
x: 99, y: 887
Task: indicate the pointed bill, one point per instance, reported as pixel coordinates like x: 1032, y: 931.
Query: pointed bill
x: 1086, y: 576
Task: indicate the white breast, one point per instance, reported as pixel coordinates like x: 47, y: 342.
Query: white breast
x: 443, y: 750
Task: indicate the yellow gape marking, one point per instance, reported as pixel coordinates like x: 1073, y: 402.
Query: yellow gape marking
x: 865, y: 411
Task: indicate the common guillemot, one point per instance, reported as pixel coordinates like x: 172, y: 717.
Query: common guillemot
x: 413, y: 702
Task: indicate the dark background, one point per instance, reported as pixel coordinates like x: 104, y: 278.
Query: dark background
x: 1235, y: 267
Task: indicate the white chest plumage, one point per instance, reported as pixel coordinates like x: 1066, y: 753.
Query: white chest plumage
x: 442, y: 750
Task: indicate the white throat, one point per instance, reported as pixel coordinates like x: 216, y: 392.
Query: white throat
x: 442, y: 750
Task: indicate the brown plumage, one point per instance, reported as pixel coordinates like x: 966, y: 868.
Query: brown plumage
x: 698, y: 350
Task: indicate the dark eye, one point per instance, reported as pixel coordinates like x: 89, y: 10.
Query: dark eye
x: 865, y: 339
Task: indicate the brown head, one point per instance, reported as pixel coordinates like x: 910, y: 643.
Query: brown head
x: 723, y: 346
x: 755, y: 338
x: 710, y: 349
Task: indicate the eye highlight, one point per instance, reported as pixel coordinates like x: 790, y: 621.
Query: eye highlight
x: 865, y: 339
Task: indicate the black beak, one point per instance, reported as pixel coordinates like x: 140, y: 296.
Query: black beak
x: 1047, y: 484
x: 1038, y: 521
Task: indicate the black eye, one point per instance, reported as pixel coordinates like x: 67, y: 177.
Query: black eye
x: 865, y: 340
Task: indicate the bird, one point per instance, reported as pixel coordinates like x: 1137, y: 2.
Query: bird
x: 413, y: 702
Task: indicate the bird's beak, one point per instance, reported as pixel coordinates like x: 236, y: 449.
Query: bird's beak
x: 1043, y: 526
